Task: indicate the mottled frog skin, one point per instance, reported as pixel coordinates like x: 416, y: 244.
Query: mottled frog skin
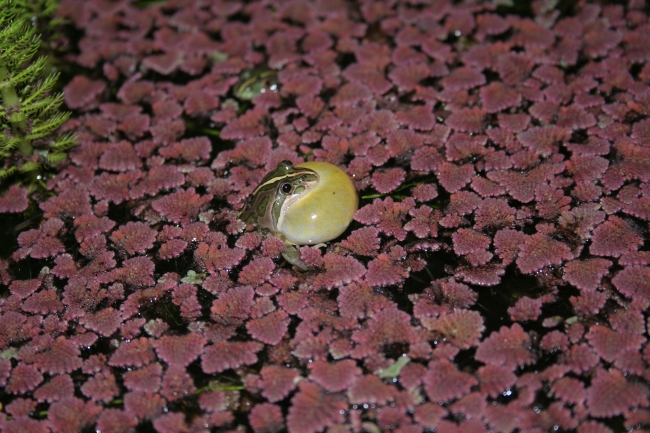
x: 306, y: 204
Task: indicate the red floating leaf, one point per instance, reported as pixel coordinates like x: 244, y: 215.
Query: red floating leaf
x: 277, y: 382
x: 429, y: 415
x: 360, y: 300
x: 453, y: 177
x: 467, y: 119
x: 115, y: 421
x: 257, y: 271
x: 383, y: 271
x: 81, y: 91
x: 497, y: 96
x: 24, y: 288
x: 24, y: 377
x: 495, y: 379
x: 509, y: 347
x: 57, y: 388
x: 100, y: 387
x: 143, y: 405
x: 181, y: 206
x: 408, y: 77
x: 613, y: 238
x: 569, y: 390
x: 586, y: 274
x: 387, y: 180
x: 443, y: 382
x: 463, y: 78
x: 218, y: 257
x: 462, y: 328
x: 610, y: 345
x: 171, y: 422
x: 269, y: 329
x: 514, y: 68
x: 164, y: 63
x: 550, y: 201
x: 73, y: 202
x: 61, y: 357
x: 468, y: 241
x: 634, y: 282
x: 540, y: 250
x: 114, y: 188
x: 172, y: 248
x: 351, y: 94
x: 134, y: 353
x: 402, y: 141
x: 339, y: 270
x: 157, y: 179
x: 266, y: 418
x: 493, y: 212
x: 334, y: 376
x: 611, y: 394
x: 369, y: 75
x: 180, y: 351
x: 24, y: 425
x: 388, y: 215
x: 425, y: 192
x: 525, y: 309
x: 120, y: 157
x: 137, y: 271
x: 135, y: 126
x: 71, y: 415
x: 543, y: 140
x: 105, y: 322
x: 387, y: 327
x: 418, y: 117
x: 364, y: 241
x: 423, y: 224
x: 134, y: 91
x: 580, y: 358
x: 369, y: 389
x: 145, y: 379
x: 176, y: 383
x: 225, y: 355
x: 14, y: 200
x: 312, y: 409
x: 189, y: 149
x: 233, y: 306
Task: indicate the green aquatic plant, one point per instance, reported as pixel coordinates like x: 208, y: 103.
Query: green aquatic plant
x: 30, y: 111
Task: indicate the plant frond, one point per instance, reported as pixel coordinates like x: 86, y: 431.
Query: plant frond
x: 30, y: 166
x: 41, y: 88
x: 10, y: 143
x: 6, y: 172
x: 23, y: 46
x: 17, y: 117
x: 29, y: 73
x: 56, y: 158
x: 45, y: 128
x: 64, y: 142
x: 44, y: 106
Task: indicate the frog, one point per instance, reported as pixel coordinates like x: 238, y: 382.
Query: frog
x: 254, y: 82
x: 307, y: 204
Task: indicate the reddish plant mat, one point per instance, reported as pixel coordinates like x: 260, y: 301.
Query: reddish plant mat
x: 496, y: 178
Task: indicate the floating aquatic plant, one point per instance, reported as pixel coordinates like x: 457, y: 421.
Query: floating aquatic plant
x: 29, y: 112
x: 499, y: 282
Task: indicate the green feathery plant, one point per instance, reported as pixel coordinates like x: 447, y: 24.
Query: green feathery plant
x: 29, y: 112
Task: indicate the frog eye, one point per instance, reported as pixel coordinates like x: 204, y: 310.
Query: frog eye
x: 286, y: 188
